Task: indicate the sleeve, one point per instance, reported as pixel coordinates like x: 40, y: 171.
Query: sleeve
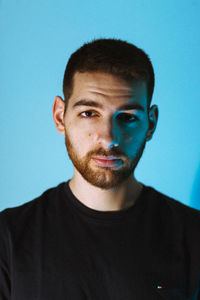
x: 5, y: 285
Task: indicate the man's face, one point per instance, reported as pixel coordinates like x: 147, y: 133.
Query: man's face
x: 106, y: 124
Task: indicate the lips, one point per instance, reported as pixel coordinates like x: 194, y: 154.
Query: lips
x: 107, y: 161
x: 106, y: 157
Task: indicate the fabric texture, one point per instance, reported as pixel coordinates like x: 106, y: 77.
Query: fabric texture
x: 55, y: 247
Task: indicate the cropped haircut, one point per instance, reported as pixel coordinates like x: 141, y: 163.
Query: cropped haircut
x: 112, y: 56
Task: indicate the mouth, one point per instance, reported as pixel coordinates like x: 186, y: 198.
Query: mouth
x: 107, y: 161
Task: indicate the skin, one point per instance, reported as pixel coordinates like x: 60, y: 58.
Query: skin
x: 105, y: 111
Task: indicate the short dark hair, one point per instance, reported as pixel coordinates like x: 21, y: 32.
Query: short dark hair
x: 112, y: 56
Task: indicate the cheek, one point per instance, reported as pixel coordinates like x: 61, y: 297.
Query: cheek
x: 133, y: 140
x: 80, y: 139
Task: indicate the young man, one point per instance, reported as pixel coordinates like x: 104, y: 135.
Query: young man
x: 102, y: 235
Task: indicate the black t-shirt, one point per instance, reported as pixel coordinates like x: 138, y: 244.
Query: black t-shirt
x: 55, y: 247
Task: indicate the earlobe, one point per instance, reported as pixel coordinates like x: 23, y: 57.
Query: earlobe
x: 153, y: 119
x: 58, y: 114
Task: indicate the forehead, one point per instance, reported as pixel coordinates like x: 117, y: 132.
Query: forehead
x: 107, y: 89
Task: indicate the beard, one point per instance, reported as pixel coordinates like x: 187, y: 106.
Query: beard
x: 103, y: 177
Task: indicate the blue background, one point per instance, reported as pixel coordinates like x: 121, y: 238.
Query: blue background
x: 37, y: 38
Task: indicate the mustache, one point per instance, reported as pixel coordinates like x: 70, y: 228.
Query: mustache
x: 112, y: 152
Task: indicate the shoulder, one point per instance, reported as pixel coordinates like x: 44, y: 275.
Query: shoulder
x: 174, y: 210
x: 172, y: 203
x: 46, y: 202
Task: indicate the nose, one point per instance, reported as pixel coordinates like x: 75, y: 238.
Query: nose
x: 107, y: 135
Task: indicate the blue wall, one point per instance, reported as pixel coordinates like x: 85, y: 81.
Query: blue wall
x: 36, y: 40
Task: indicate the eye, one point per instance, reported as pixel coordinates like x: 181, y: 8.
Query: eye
x: 126, y: 118
x: 88, y: 114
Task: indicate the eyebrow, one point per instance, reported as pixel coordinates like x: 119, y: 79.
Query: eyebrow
x: 128, y: 106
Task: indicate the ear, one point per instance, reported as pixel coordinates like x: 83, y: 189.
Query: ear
x: 58, y: 114
x: 153, y: 119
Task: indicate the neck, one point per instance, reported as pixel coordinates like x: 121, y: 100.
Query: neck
x: 115, y: 199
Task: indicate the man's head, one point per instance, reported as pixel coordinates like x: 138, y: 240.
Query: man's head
x: 108, y: 118
x: 111, y: 56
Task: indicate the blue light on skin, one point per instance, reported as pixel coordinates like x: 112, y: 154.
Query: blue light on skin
x: 129, y: 130
x: 123, y: 126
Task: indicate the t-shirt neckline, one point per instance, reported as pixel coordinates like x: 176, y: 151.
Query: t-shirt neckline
x: 105, y: 215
